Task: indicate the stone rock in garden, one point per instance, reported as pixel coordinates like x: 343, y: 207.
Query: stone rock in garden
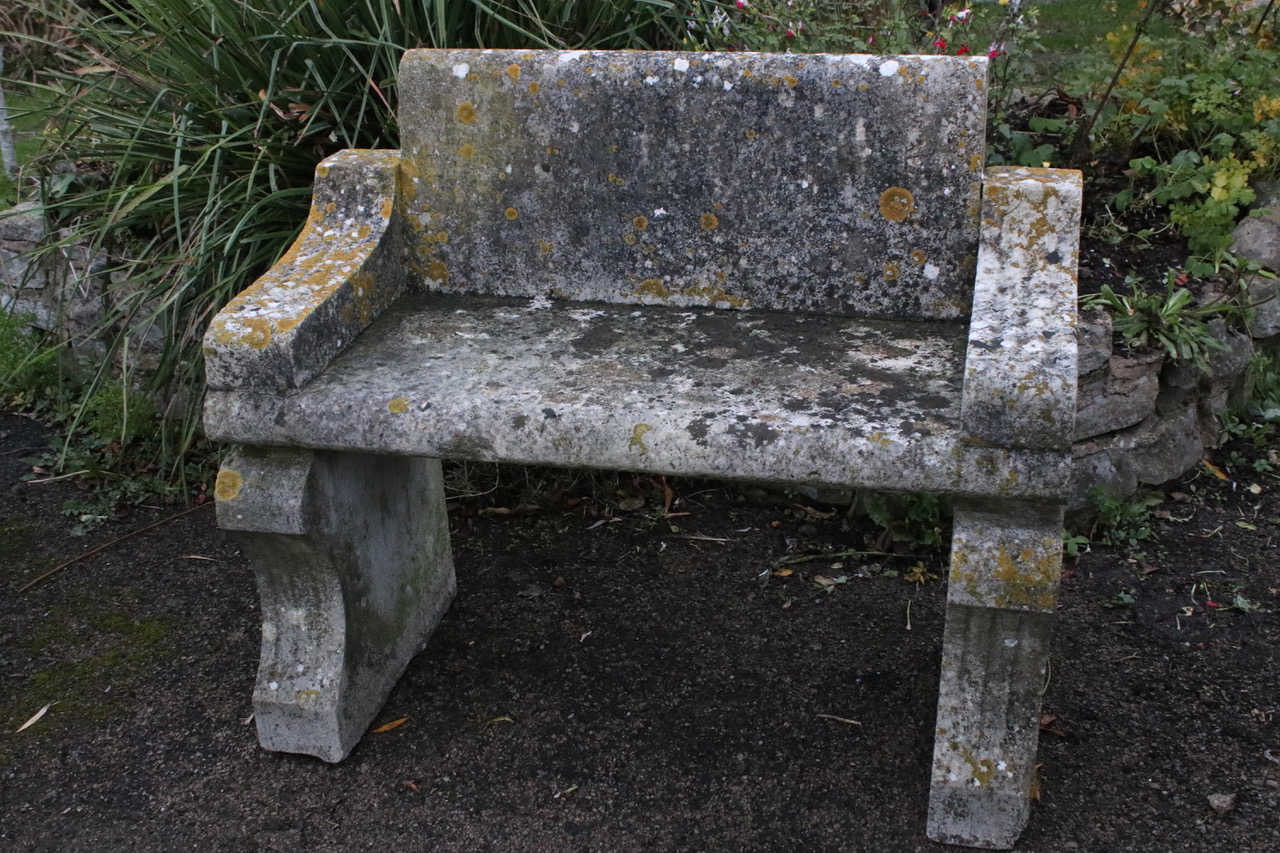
x: 1119, y: 396
x: 1093, y: 341
x: 1155, y: 451
x: 1264, y: 296
x: 1106, y: 469
x: 21, y: 230
x: 1258, y: 237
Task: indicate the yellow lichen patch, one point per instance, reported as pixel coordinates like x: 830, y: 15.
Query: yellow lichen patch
x: 891, y: 271
x: 438, y: 272
x: 330, y: 207
x: 407, y: 180
x: 386, y: 209
x: 513, y: 71
x: 750, y: 134
x: 640, y: 223
x: 637, y: 438
x: 398, y: 406
x: 975, y: 162
x: 534, y: 87
x: 896, y: 204
x: 789, y: 80
x: 614, y: 179
x: 511, y: 213
x: 983, y: 769
x: 466, y: 112
x: 630, y: 239
x: 253, y: 332
x: 837, y: 83
x: 322, y: 171
x: 862, y: 87
x: 467, y: 150
x: 652, y: 287
x: 545, y: 248
x: 709, y: 221
x: 918, y: 257
x: 227, y: 486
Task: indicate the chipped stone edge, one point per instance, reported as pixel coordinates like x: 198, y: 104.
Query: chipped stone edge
x: 343, y: 270
x: 1020, y: 370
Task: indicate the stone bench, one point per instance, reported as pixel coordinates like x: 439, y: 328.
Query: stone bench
x: 772, y: 268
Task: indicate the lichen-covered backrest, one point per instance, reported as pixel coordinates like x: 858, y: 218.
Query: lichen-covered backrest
x: 841, y: 184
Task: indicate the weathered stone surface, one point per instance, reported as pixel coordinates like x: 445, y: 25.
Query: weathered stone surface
x: 344, y: 269
x: 354, y: 572
x: 761, y: 396
x: 1236, y: 353
x: 1020, y: 371
x: 1093, y: 341
x: 1005, y: 565
x: 1105, y: 468
x: 1258, y: 237
x: 1264, y: 295
x: 1120, y: 396
x: 22, y: 227
x: 839, y: 184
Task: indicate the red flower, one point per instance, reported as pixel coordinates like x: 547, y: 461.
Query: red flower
x: 940, y: 44
x: 962, y: 50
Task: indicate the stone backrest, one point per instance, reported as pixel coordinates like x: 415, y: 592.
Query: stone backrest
x: 838, y: 184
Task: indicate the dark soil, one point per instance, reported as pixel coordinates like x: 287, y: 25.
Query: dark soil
x: 610, y: 679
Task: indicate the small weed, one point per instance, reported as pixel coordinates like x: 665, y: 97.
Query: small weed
x: 909, y: 519
x: 1120, y: 601
x: 1073, y: 545
x: 1170, y: 321
x: 1122, y: 522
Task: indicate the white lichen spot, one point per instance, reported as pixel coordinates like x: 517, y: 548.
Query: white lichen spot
x: 1001, y: 766
x: 727, y: 85
x: 650, y: 80
x: 302, y: 667
x: 931, y: 271
x: 461, y: 70
x: 660, y: 211
x: 571, y: 55
x: 681, y: 65
x: 1010, y: 642
x: 275, y: 685
x: 976, y: 782
x: 539, y: 302
x: 889, y: 68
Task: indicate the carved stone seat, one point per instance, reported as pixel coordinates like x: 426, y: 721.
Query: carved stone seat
x: 777, y: 268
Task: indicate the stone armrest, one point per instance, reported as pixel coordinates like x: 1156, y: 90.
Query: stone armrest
x: 1020, y: 370
x: 345, y: 268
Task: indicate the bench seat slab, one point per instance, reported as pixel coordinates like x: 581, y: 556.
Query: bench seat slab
x: 755, y: 395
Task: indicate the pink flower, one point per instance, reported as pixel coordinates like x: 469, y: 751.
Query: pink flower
x: 962, y: 16
x: 791, y: 29
x: 742, y: 4
x: 996, y: 49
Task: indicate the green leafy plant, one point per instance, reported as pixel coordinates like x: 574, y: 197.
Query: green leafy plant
x: 1171, y: 320
x: 908, y: 518
x: 1121, y: 521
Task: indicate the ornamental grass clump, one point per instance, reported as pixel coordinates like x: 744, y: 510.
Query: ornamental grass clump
x: 185, y: 135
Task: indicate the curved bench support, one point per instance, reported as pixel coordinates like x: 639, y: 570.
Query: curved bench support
x: 354, y: 572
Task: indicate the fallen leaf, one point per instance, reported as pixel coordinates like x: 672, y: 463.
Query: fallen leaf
x: 394, y: 724
x: 531, y: 591
x: 411, y: 785
x: 783, y: 573
x: 497, y: 720
x: 1246, y: 525
x: 197, y: 557
x: 1255, y: 489
x: 35, y: 718
x: 1214, y: 469
x: 629, y: 504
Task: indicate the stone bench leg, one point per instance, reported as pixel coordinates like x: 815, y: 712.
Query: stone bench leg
x: 354, y: 571
x: 1005, y: 563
